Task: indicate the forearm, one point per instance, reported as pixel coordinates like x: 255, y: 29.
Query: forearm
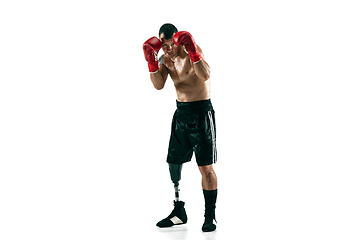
x: 157, y: 80
x: 202, y: 69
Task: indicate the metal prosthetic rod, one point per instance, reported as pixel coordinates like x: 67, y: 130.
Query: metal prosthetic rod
x: 175, y: 174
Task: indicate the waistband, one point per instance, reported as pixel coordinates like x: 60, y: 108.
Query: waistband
x: 194, y: 107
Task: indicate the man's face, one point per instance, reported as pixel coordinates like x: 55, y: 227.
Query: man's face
x: 169, y: 48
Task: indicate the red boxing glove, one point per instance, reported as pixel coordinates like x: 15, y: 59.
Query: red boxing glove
x: 184, y: 38
x: 151, y: 48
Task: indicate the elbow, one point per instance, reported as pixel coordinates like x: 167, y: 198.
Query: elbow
x: 207, y: 77
x: 204, y: 76
x: 158, y: 84
x: 158, y: 87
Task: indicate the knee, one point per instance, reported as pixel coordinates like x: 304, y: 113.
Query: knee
x: 208, y: 173
x: 209, y: 176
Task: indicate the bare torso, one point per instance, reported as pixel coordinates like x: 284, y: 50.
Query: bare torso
x: 189, y: 87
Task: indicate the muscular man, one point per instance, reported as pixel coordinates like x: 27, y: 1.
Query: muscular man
x: 193, y: 125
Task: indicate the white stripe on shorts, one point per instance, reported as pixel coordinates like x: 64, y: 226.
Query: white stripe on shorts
x: 212, y: 129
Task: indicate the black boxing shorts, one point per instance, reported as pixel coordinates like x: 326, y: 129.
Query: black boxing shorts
x: 193, y: 130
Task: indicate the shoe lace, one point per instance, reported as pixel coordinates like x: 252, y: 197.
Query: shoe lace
x: 209, y: 216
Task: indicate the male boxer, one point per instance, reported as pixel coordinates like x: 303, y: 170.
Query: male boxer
x: 193, y: 124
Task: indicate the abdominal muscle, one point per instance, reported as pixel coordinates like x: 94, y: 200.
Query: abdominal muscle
x: 190, y: 91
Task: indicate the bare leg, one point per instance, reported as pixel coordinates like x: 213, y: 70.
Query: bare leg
x: 209, y: 179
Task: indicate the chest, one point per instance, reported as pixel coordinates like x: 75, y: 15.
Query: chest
x: 180, y: 69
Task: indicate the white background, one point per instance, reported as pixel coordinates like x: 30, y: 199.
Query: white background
x: 84, y: 134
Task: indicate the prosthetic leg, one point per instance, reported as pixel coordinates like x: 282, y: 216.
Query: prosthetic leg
x: 178, y: 215
x: 175, y: 174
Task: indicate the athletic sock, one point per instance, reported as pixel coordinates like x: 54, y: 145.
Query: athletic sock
x: 210, y: 198
x: 210, y: 201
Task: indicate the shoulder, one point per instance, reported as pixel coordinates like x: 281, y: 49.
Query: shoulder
x: 165, y: 61
x: 162, y: 63
x: 161, y: 59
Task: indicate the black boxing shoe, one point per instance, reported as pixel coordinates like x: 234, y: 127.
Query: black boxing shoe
x: 209, y: 225
x: 177, y: 216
